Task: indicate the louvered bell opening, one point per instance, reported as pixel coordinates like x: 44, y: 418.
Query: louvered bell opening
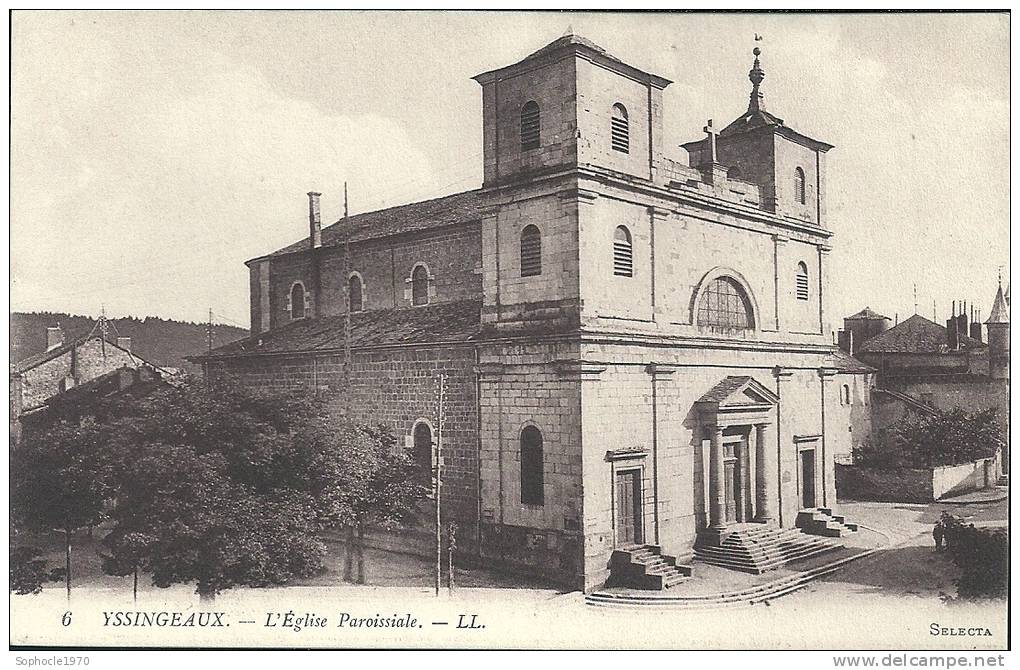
x: 531, y: 255
x: 802, y: 287
x: 530, y: 128
x: 621, y: 135
x: 623, y: 259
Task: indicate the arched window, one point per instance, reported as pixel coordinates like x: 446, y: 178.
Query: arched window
x: 532, y: 467
x: 355, y: 293
x: 531, y: 126
x: 724, y: 305
x: 798, y: 185
x: 620, y: 129
x: 419, y: 285
x: 623, y: 253
x: 844, y: 395
x: 802, y: 281
x: 297, y: 302
x: 421, y: 452
x: 531, y: 251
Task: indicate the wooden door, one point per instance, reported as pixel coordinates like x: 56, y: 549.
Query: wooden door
x: 807, y: 478
x: 628, y: 507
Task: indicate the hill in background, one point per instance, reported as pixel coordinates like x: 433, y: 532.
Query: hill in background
x: 160, y: 341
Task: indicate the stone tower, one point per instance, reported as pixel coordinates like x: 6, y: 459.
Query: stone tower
x: 758, y: 147
x: 998, y: 336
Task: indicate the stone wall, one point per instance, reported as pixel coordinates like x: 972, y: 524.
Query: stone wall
x: 452, y: 256
x: 553, y: 87
x: 598, y: 89
x: 914, y: 485
x: 677, y: 252
x: 550, y: 299
x: 92, y: 359
x: 968, y: 393
x: 529, y: 385
x: 909, y: 485
x: 396, y: 388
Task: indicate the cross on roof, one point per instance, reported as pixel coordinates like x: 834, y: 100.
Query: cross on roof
x: 712, y: 134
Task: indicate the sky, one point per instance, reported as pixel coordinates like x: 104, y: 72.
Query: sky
x: 152, y: 153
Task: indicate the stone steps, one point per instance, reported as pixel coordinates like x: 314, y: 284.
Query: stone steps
x: 645, y: 567
x: 821, y: 521
x: 749, y: 596
x: 758, y: 550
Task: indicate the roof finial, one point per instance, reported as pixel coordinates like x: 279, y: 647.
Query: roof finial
x: 756, y: 75
x: 569, y: 31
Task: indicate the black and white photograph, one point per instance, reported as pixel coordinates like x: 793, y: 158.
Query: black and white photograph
x: 498, y: 330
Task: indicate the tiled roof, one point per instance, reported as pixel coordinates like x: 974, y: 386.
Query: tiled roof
x: 413, y: 217
x: 26, y: 364
x: 750, y: 120
x: 866, y: 313
x: 844, y: 362
x: 571, y: 41
x: 908, y: 400
x: 916, y: 335
x: 442, y: 322
x: 1000, y: 313
x: 725, y: 388
x: 38, y: 359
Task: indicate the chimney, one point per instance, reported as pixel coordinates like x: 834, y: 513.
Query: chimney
x: 975, y: 331
x: 314, y: 220
x: 54, y: 337
x: 124, y: 343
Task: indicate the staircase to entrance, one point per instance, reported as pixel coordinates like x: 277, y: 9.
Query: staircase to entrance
x: 644, y: 566
x: 821, y: 521
x: 758, y: 548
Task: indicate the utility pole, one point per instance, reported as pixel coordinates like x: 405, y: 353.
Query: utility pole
x: 209, y: 330
x: 439, y: 481
x: 347, y: 310
x: 104, y: 329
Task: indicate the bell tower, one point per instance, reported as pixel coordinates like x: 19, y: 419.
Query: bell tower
x: 758, y: 147
x: 570, y: 104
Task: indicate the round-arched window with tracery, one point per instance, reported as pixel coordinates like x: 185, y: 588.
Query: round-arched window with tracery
x: 725, y: 306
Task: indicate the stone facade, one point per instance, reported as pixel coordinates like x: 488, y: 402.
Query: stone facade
x: 40, y: 378
x: 674, y: 351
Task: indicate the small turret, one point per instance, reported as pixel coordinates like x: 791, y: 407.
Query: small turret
x: 997, y: 326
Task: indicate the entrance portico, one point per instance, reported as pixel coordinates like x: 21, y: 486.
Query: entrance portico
x: 736, y: 417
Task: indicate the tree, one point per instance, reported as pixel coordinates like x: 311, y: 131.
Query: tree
x: 28, y: 572
x: 223, y: 487
x: 129, y: 552
x: 371, y: 482
x: 61, y: 478
x: 946, y: 438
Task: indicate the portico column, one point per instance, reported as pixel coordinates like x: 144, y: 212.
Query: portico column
x: 764, y: 466
x: 716, y: 484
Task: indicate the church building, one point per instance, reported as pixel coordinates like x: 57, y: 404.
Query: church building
x: 637, y: 345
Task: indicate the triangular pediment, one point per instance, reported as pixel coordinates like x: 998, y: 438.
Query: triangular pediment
x: 739, y: 391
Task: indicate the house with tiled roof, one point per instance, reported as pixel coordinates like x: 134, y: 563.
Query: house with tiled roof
x: 635, y: 345
x: 923, y: 366
x: 43, y: 381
